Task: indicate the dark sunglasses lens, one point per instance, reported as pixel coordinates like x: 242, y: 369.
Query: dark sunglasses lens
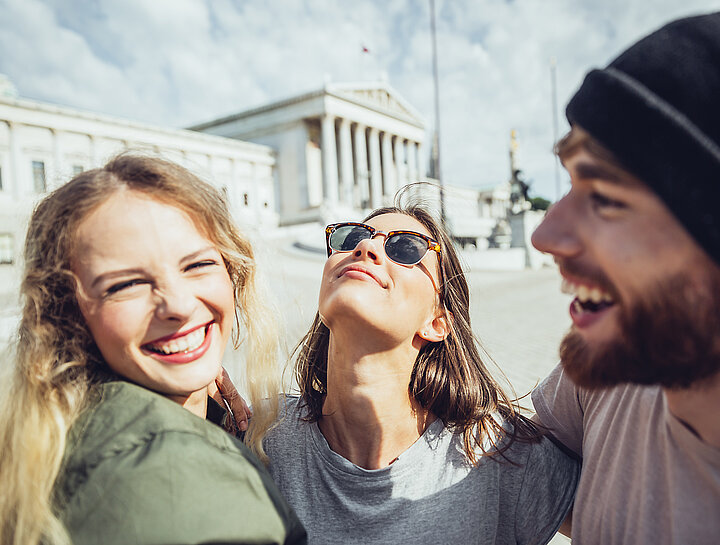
x: 345, y: 238
x: 406, y: 248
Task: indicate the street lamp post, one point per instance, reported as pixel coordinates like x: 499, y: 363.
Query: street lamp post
x: 436, y: 135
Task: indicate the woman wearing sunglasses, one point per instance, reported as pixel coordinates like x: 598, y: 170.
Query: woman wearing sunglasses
x: 399, y: 432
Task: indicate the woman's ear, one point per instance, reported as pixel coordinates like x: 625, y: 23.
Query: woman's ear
x: 437, y: 329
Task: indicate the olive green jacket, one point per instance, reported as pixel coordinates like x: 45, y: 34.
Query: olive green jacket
x: 140, y: 469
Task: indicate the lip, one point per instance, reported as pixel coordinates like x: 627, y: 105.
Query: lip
x: 357, y: 271
x: 583, y: 320
x: 178, y: 334
x: 580, y: 281
x: 605, y: 286
x: 184, y: 357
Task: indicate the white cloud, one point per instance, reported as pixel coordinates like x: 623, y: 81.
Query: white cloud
x: 178, y: 62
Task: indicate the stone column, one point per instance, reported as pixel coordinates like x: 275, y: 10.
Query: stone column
x: 401, y: 168
x: 346, y: 163
x: 254, y: 193
x: 362, y: 199
x: 56, y: 175
x: 421, y: 171
x: 376, y: 186
x: 94, y: 156
x: 329, y: 158
x: 234, y: 193
x: 15, y: 161
x: 388, y: 166
x: 412, y: 173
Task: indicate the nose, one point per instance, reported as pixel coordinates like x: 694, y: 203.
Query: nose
x: 558, y: 234
x: 175, y: 301
x: 370, y: 248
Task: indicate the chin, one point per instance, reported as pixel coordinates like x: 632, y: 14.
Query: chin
x: 349, y: 303
x: 188, y: 379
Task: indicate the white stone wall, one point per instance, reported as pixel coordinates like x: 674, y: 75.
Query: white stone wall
x: 341, y: 150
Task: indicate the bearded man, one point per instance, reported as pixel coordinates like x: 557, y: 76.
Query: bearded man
x: 637, y: 241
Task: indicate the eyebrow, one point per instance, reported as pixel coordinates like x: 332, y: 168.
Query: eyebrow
x: 595, y: 171
x: 133, y: 271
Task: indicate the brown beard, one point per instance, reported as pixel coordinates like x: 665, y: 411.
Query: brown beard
x: 672, y: 340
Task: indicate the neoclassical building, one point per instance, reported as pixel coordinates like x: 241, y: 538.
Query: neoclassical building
x: 341, y: 150
x: 43, y: 145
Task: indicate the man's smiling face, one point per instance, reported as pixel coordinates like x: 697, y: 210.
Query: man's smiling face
x: 646, y: 300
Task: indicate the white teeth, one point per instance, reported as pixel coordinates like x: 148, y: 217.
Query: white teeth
x: 585, y: 293
x: 188, y: 343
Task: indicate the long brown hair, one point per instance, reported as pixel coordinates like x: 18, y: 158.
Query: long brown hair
x: 56, y: 360
x: 449, y: 378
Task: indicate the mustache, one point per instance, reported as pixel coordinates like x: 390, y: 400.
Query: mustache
x: 591, y: 276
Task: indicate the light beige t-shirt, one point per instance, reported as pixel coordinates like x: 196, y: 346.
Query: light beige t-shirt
x: 646, y: 478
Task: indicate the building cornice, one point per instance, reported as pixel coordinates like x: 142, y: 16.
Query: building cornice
x: 337, y: 91
x: 85, y: 115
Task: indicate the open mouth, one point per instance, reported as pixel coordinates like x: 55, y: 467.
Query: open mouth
x: 588, y: 300
x: 185, y: 344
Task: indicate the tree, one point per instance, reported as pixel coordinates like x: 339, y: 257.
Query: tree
x: 539, y: 203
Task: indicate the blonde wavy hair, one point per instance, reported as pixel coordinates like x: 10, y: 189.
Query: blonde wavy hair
x: 56, y: 361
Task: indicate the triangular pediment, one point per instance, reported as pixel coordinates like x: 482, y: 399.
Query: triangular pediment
x: 380, y: 97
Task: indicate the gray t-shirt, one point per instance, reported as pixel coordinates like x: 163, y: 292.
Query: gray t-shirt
x: 430, y: 494
x: 646, y: 478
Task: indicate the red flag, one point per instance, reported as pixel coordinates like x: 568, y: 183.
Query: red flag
x: 365, y: 49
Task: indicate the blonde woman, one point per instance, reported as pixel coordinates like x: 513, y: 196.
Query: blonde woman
x: 135, y: 277
x: 399, y: 433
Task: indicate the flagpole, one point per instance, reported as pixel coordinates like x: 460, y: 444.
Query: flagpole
x: 364, y: 52
x: 361, y: 62
x: 436, y: 135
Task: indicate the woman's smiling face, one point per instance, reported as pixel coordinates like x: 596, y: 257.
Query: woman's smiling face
x: 154, y: 292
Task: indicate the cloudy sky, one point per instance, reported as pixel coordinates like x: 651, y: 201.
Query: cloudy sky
x: 180, y: 62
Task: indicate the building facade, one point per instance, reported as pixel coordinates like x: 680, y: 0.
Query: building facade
x: 342, y: 150
x: 43, y: 146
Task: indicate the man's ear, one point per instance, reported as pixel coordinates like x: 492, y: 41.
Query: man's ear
x: 437, y: 329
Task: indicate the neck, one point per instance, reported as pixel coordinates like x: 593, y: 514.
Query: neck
x: 196, y: 402
x: 697, y: 407
x: 368, y: 416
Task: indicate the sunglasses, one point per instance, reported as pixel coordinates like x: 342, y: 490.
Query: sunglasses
x: 402, y: 247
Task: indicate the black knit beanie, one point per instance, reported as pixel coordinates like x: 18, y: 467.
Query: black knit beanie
x: 657, y: 109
